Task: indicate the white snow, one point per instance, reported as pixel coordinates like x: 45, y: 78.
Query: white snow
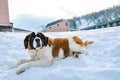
x: 85, y: 23
x: 102, y: 62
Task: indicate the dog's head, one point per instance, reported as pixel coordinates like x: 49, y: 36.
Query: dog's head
x: 35, y: 41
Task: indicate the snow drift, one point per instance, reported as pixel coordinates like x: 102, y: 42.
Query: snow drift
x: 102, y: 63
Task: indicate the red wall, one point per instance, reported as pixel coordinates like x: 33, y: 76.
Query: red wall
x: 59, y: 27
x: 4, y: 13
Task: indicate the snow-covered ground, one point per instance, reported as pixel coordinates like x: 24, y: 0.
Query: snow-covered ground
x: 102, y: 63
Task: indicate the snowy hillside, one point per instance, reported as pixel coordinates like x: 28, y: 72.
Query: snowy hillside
x: 96, y: 18
x: 102, y: 63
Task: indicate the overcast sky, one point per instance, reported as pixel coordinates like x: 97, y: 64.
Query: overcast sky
x: 57, y: 8
x: 30, y: 14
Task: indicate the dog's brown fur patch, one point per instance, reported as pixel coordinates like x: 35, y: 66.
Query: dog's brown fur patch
x: 29, y: 47
x: 59, y: 43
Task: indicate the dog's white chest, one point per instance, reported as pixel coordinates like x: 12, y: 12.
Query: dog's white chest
x: 36, y: 54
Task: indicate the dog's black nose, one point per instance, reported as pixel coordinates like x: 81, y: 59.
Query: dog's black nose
x: 37, y: 40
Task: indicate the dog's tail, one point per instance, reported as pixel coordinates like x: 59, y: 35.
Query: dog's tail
x: 87, y: 42
x: 79, y: 41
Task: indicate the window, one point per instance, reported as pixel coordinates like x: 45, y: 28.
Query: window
x: 57, y: 24
x: 66, y: 24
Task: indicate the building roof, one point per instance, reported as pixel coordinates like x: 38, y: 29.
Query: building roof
x: 20, y: 30
x: 55, y: 22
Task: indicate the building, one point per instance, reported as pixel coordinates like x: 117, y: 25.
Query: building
x: 20, y: 30
x: 4, y: 16
x: 60, y: 25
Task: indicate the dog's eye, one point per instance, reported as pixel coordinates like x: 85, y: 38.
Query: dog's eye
x: 38, y: 35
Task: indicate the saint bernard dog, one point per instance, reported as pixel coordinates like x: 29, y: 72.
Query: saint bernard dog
x: 44, y: 50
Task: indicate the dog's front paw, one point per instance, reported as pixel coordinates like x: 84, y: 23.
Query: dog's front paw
x: 20, y: 71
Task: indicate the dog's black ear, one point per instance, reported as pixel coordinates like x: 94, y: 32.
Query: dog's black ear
x: 26, y: 42
x: 44, y: 39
